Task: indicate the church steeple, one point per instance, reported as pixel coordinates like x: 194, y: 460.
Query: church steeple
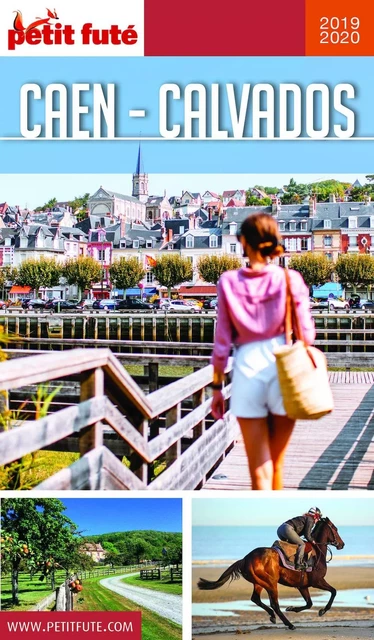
x: 140, y: 180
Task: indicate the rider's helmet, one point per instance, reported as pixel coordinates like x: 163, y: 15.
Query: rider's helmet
x: 315, y: 513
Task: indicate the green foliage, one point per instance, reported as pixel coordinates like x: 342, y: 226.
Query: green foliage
x: 253, y: 201
x: 45, y: 272
x: 316, y: 269
x: 8, y: 274
x: 82, y: 272
x: 131, y: 547
x: 172, y: 270
x: 79, y: 202
x: 126, y: 273
x: 269, y: 190
x: 39, y: 531
x: 211, y: 267
x: 355, y: 269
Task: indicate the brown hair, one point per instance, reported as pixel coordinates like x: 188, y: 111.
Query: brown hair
x: 261, y: 232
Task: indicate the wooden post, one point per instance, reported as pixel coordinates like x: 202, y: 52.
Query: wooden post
x: 96, y: 328
x: 119, y: 328
x: 178, y: 329
x: 146, y: 366
x: 27, y: 327
x: 197, y: 399
x: 154, y: 329
x: 92, y: 384
x: 130, y: 329
x: 142, y: 328
x: 189, y: 329
x: 107, y: 328
x: 172, y: 417
x: 153, y: 376
x: 166, y: 327
x: 84, y: 328
x: 73, y: 327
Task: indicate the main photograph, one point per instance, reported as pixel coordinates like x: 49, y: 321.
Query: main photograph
x: 217, y: 335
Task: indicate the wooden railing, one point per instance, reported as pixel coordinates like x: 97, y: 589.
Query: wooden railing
x: 170, y: 432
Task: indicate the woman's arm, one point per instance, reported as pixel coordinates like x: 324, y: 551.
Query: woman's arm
x: 224, y: 335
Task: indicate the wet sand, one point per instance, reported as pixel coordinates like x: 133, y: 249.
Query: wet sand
x: 338, y: 623
x: 339, y: 577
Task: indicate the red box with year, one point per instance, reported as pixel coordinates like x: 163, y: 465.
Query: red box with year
x: 339, y: 28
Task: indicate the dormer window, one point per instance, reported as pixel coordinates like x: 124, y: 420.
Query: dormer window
x: 135, y: 244
x: 189, y: 242
x: 123, y: 244
x: 352, y: 222
x: 327, y: 224
x: 372, y: 222
x: 149, y: 244
x: 213, y: 242
x: 233, y: 228
x: 181, y: 229
x: 304, y: 225
x: 282, y: 226
x: 292, y: 225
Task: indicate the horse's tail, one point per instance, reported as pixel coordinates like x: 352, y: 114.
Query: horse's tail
x: 232, y: 573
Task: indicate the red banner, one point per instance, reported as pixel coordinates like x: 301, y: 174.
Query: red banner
x: 22, y: 625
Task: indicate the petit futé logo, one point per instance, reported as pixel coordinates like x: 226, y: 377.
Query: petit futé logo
x: 49, y: 31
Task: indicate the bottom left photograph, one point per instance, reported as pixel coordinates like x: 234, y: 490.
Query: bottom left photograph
x: 95, y: 554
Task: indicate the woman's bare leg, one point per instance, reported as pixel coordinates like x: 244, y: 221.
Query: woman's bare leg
x: 280, y: 431
x: 255, y: 433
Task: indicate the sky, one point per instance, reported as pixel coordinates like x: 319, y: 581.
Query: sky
x: 106, y: 515
x: 261, y: 511
x: 32, y: 190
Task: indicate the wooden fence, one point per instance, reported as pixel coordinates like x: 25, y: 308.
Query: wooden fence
x: 172, y: 444
x: 150, y: 574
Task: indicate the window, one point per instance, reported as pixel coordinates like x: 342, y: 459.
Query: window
x: 292, y: 225
x: 304, y: 244
x: 371, y: 222
x: 327, y: 224
x: 304, y: 225
x: 292, y: 244
x: 135, y: 244
x: 101, y: 255
x: 149, y: 277
x: 232, y: 248
x: 181, y: 229
x: 327, y: 241
x: 353, y: 241
x: 213, y: 242
x: 282, y: 226
x: 233, y: 228
x: 149, y: 244
x: 352, y: 222
x: 189, y: 242
x: 329, y: 256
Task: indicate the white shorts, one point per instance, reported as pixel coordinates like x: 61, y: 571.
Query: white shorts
x: 255, y: 387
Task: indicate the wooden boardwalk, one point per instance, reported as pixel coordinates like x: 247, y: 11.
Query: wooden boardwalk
x: 336, y: 452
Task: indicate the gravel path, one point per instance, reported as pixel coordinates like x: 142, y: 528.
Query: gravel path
x: 165, y: 604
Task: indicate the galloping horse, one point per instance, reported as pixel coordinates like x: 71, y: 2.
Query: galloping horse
x: 263, y: 569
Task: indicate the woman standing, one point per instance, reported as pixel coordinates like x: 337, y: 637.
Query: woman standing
x: 251, y: 314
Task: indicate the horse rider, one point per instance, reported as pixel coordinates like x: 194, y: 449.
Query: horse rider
x: 291, y: 530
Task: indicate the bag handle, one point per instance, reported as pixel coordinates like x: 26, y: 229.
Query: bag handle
x: 292, y: 324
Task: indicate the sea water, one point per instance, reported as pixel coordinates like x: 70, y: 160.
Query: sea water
x: 232, y: 543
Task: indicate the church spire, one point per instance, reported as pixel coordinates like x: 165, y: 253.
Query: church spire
x: 140, y: 179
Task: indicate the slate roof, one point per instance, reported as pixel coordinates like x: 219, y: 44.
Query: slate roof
x: 201, y: 238
x: 142, y: 237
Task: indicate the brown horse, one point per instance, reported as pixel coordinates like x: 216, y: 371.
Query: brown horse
x: 262, y: 567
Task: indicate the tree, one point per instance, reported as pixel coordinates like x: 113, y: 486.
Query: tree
x: 79, y: 202
x: 251, y: 200
x: 355, y: 270
x: 172, y: 270
x: 316, y: 269
x: 35, y: 530
x: 211, y: 267
x: 45, y: 272
x: 82, y: 272
x: 126, y: 273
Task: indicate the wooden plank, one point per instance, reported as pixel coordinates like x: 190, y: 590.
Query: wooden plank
x: 200, y: 457
x: 40, y: 433
x: 92, y: 385
x: 127, y: 431
x: 115, y: 475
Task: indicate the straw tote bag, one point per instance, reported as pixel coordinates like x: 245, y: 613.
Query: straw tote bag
x: 302, y: 370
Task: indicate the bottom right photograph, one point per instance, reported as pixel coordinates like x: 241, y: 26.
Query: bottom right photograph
x: 264, y: 565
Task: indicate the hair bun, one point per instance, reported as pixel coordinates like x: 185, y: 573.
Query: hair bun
x: 277, y: 251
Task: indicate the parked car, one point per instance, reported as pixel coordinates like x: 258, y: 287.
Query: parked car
x: 210, y: 304
x: 85, y: 304
x: 314, y: 304
x: 35, y: 303
x: 337, y: 303
x: 363, y: 304
x: 180, y: 306
x: 60, y: 305
x: 108, y: 305
x: 161, y: 303
x: 192, y: 302
x: 4, y: 304
x: 134, y: 304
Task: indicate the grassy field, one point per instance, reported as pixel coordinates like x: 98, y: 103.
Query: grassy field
x: 30, y: 591
x: 164, y: 584
x: 95, y: 597
x: 174, y: 371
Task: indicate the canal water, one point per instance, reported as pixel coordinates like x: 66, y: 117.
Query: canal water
x: 357, y: 598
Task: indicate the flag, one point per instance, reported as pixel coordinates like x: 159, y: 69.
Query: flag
x: 151, y: 262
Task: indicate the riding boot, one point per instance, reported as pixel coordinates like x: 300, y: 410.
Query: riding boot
x: 299, y: 564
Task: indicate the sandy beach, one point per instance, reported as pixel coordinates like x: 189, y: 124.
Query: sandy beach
x: 338, y: 623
